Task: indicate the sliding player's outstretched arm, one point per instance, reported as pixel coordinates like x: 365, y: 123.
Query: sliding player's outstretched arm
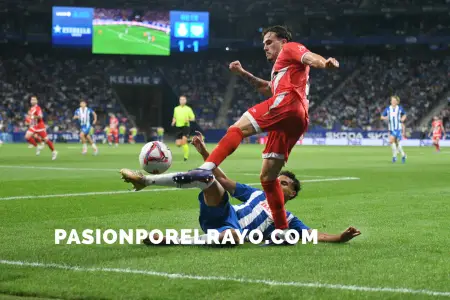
x: 261, y: 85
x: 344, y: 237
x: 228, y: 184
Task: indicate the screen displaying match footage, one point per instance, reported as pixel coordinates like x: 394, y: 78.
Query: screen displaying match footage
x: 128, y: 31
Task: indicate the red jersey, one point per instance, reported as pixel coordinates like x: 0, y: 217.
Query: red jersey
x: 437, y: 128
x: 289, y: 73
x: 35, y: 112
x: 113, y: 123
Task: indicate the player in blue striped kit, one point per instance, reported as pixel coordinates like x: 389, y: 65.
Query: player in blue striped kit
x: 396, y: 116
x: 86, y: 118
x: 217, y: 213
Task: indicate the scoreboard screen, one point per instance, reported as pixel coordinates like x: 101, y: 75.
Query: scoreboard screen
x: 72, y: 26
x: 130, y: 31
x: 190, y: 31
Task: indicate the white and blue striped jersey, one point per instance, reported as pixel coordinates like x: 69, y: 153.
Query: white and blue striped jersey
x: 84, y: 116
x: 395, y: 114
x: 255, y: 214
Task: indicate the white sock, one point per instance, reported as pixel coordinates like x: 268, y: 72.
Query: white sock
x: 400, y: 148
x: 394, y: 150
x: 167, y: 180
x: 94, y: 146
x: 208, y: 166
x: 84, y: 147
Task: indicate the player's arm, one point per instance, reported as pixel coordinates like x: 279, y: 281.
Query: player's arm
x: 191, y: 115
x: 317, y: 61
x: 95, y: 117
x: 261, y: 85
x: 323, y: 237
x: 403, y: 115
x: 384, y: 115
x: 345, y: 236
x: 228, y: 184
x: 174, y: 120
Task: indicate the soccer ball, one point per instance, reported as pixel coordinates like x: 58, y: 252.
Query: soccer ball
x: 155, y: 158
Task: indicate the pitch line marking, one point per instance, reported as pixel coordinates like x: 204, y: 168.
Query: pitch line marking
x: 146, y: 191
x: 317, y: 285
x: 116, y: 170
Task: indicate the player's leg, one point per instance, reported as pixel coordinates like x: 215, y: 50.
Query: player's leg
x: 185, y: 144
x: 272, y: 188
x: 436, y: 140
x: 92, y: 143
x: 398, y: 142
x: 116, y: 138
x: 29, y: 137
x: 38, y: 140
x: 278, y: 147
x: 43, y: 135
x: 110, y: 138
x: 203, y: 180
x: 394, y: 147
x: 230, y: 142
x: 83, y: 141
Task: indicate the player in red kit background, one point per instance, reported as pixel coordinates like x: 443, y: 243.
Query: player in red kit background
x: 37, y: 127
x: 284, y: 115
x: 113, y: 130
x: 36, y: 137
x: 438, y: 130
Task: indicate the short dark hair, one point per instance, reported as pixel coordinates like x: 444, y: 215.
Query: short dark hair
x: 281, y: 32
x: 296, y: 183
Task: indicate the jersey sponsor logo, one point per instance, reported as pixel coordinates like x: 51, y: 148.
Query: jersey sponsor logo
x: 265, y: 205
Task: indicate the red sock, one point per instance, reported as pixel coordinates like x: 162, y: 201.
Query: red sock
x: 227, y: 145
x: 275, y: 198
x: 50, y: 145
x: 32, y: 141
x: 438, y: 147
x: 117, y: 139
x: 109, y: 138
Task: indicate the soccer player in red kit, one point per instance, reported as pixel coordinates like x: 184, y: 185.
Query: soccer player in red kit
x: 113, y: 130
x: 37, y: 127
x: 284, y: 115
x: 36, y: 137
x: 438, y: 130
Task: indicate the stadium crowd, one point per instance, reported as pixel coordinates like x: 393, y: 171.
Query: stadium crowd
x: 59, y: 84
x: 420, y: 84
x: 352, y: 97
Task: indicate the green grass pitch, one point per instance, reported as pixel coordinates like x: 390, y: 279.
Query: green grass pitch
x: 113, y: 39
x: 402, y: 210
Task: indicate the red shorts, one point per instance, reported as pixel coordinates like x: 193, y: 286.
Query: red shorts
x: 39, y: 131
x: 285, y: 117
x: 436, y: 137
x: 114, y: 132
